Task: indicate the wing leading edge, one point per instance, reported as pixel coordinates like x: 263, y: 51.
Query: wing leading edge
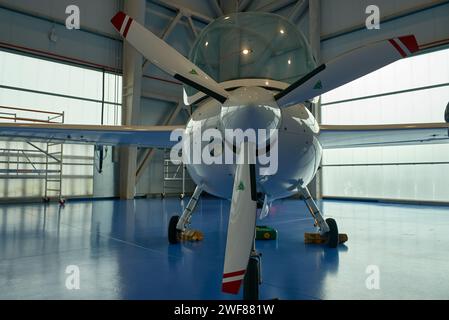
x: 333, y: 137
x: 141, y: 136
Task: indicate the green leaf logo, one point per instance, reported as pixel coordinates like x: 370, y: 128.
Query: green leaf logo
x: 241, y: 187
x: 318, y: 85
x: 194, y: 72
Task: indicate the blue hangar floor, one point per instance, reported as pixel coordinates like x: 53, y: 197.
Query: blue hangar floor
x: 122, y: 252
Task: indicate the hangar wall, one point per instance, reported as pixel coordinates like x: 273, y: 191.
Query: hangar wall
x: 414, y: 90
x: 27, y: 23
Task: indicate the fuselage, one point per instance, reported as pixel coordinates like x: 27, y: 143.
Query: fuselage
x: 298, y: 153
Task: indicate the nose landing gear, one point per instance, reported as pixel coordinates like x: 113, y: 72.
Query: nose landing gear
x: 253, y: 277
x: 178, y: 226
x: 328, y: 228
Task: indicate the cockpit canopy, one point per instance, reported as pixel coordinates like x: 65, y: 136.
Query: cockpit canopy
x: 252, y: 46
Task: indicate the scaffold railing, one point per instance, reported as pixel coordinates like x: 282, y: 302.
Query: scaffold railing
x: 41, y: 161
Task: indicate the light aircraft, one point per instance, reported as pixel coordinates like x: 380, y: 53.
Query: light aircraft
x: 263, y: 103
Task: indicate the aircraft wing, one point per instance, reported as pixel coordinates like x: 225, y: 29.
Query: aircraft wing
x: 143, y: 136
x: 337, y: 136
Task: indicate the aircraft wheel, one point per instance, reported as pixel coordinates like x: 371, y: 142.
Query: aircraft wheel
x: 173, y: 233
x: 251, y: 281
x: 332, y: 235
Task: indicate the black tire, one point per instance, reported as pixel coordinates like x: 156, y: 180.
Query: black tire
x: 173, y: 233
x: 162, y: 195
x: 252, y: 280
x: 332, y: 235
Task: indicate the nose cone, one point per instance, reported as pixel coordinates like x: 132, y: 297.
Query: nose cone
x: 251, y: 108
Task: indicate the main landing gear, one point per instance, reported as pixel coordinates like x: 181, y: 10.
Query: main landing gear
x: 328, y: 228
x: 178, y: 226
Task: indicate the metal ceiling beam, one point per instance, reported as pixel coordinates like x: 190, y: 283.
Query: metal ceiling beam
x: 216, y: 7
x: 168, y: 30
x: 299, y: 10
x: 394, y: 16
x: 157, y: 96
x: 192, y: 26
x: 175, y: 7
x: 244, y: 4
x: 60, y: 21
x: 229, y: 6
x: 276, y: 5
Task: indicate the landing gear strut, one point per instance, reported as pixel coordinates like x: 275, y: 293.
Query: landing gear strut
x: 253, y: 276
x: 179, y: 225
x: 328, y: 227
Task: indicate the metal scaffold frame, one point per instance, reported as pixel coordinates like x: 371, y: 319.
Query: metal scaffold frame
x: 175, y: 177
x: 50, y: 169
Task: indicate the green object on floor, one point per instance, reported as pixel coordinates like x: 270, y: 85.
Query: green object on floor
x: 266, y: 233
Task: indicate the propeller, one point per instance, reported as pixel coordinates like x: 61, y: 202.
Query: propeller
x: 242, y: 221
x: 166, y: 58
x: 346, y: 68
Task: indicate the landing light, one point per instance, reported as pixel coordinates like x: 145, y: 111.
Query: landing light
x: 246, y: 52
x: 282, y: 31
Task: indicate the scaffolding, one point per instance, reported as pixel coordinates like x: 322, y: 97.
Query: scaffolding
x: 175, y: 177
x: 42, y: 161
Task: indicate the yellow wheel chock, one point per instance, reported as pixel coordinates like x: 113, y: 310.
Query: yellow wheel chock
x: 191, y: 235
x: 317, y: 238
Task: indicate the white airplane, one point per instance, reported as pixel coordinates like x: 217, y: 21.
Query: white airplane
x: 300, y: 140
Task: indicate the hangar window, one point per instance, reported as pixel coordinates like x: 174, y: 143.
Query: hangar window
x: 85, y: 96
x: 414, y: 90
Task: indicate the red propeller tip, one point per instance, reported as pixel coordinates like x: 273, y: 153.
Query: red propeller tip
x: 118, y: 20
x: 232, y: 287
x: 410, y: 42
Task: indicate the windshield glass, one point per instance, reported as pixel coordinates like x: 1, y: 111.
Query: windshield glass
x: 252, y: 45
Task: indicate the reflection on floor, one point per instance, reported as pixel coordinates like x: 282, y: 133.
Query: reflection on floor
x: 122, y: 252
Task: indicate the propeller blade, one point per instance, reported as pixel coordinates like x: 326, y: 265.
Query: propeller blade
x: 346, y: 68
x: 165, y: 57
x: 242, y: 225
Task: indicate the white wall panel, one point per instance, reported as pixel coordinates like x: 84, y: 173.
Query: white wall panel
x: 403, y: 172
